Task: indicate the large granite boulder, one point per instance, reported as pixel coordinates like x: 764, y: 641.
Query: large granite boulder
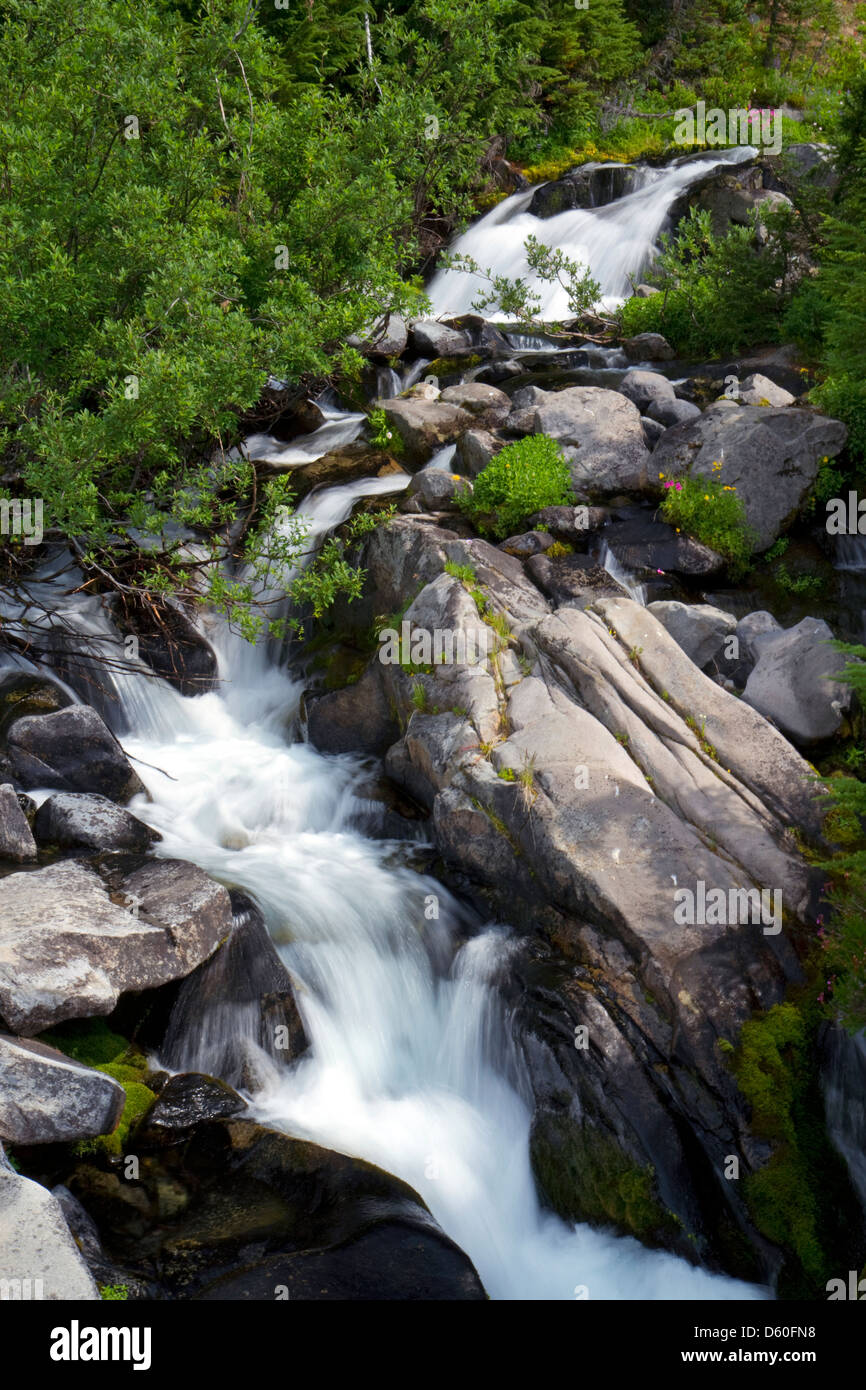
x: 69, y: 950
x: 770, y: 455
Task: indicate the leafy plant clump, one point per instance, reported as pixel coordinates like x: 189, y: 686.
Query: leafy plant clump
x: 523, y: 477
x: 718, y: 293
x: 712, y: 512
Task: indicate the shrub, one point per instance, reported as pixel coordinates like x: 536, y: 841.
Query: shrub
x: 720, y: 293
x: 712, y: 512
x: 520, y: 480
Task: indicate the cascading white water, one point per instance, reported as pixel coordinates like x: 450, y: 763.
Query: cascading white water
x: 412, y: 1062
x: 410, y: 1069
x: 412, y: 1065
x: 615, y: 241
x: 340, y: 427
x: 623, y: 576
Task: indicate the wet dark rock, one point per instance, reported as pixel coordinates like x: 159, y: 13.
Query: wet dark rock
x: 591, y: 185
x: 239, y: 1004
x: 22, y: 694
x: 573, y: 579
x: 641, y: 542
x: 356, y: 719
x: 72, y: 750
x: 344, y: 465
x: 185, y: 1101
x: 241, y: 1211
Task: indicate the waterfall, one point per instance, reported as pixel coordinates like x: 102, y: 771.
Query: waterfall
x: 615, y: 242
x: 340, y: 427
x: 623, y: 576
x: 412, y: 1061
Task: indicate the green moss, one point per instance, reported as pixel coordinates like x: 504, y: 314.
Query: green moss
x: 88, y: 1040
x: 452, y: 366
x: 801, y: 1198
x: 586, y: 1177
x: 91, y: 1042
x: 113, y: 1291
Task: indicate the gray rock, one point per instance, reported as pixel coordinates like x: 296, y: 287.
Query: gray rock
x: 646, y: 389
x: 392, y: 339
x: 475, y: 449
x: 46, y: 1098
x: 673, y: 412
x: 648, y: 347
x: 601, y: 436
x: 72, y: 750
x: 652, y: 430
x: 645, y: 291
x: 700, y: 629
x: 68, y: 951
x: 357, y: 719
x: 425, y: 426
x: 812, y: 163
x: 437, y: 489
x: 84, y: 820
x: 789, y: 683
x: 16, y: 837
x: 487, y: 404
x: 751, y: 630
x: 570, y: 523
x: 760, y: 390
x: 432, y: 339
x: 37, y: 1246
x: 530, y: 543
x: 770, y: 456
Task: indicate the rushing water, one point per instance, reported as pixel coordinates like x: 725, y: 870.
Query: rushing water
x: 615, y: 242
x: 413, y: 1064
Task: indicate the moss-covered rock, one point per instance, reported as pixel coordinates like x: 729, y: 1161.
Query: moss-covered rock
x: 585, y: 1176
x: 801, y: 1198
x: 93, y: 1043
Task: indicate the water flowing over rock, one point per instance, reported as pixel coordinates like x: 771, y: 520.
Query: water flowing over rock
x: 237, y: 1005
x: 590, y: 185
x: 579, y: 792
